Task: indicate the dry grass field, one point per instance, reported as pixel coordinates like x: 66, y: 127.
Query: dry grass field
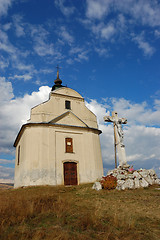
x: 79, y: 213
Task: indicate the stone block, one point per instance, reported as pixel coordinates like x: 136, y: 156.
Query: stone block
x: 123, y: 186
x: 97, y: 186
x: 144, y: 173
x: 129, y: 184
x: 157, y: 181
x: 152, y: 172
x: 121, y: 177
x: 143, y: 183
x: 136, y: 183
x: 120, y: 182
x: 121, y: 172
x: 149, y: 180
x: 114, y: 175
x: 130, y: 176
x: 137, y: 175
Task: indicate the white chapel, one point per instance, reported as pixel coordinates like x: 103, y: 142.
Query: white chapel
x: 59, y: 145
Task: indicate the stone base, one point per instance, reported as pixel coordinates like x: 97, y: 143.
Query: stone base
x: 127, y: 179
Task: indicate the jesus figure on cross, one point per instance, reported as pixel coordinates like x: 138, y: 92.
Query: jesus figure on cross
x: 118, y: 138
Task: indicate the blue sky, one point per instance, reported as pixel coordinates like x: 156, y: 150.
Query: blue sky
x: 108, y: 51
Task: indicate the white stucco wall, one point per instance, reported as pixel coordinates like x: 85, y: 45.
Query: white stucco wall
x: 55, y: 106
x: 43, y: 153
x: 42, y: 142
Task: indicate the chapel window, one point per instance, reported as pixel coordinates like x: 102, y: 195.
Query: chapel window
x: 18, y: 155
x: 69, y: 145
x: 67, y: 104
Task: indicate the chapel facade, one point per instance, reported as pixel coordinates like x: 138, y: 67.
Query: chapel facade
x: 59, y: 145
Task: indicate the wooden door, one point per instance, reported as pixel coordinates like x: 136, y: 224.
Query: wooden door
x: 70, y: 173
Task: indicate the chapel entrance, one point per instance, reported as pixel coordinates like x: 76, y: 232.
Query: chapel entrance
x: 70, y: 173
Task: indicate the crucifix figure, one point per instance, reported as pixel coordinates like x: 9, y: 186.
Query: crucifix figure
x: 118, y: 138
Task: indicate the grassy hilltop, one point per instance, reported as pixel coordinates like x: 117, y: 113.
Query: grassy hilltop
x: 79, y: 213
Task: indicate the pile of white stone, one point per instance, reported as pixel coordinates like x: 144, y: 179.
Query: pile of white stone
x: 127, y: 179
x: 134, y: 179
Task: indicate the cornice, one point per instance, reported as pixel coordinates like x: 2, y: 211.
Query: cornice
x: 52, y: 125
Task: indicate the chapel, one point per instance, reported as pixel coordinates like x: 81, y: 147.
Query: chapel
x: 59, y: 144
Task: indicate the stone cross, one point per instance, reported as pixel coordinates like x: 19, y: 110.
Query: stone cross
x: 118, y: 138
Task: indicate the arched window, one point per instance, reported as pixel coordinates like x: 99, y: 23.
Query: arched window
x: 19, y: 149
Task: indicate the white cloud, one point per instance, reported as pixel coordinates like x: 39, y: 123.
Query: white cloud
x: 102, y: 51
x: 6, y: 174
x: 43, y: 49
x: 137, y: 113
x: 10, y: 121
x: 3, y: 62
x: 23, y: 67
x: 142, y: 143
x: 121, y: 23
x: 66, y: 36
x: 5, y: 161
x: 7, y: 26
x: 67, y: 11
x: 108, y: 31
x: 105, y: 31
x: 96, y: 28
x: 82, y: 56
x: 146, y: 12
x: 14, y: 54
x: 69, y: 61
x: 98, y: 9
x: 157, y: 33
x: 4, y: 5
x: 145, y: 46
x: 5, y: 45
x: 6, y: 91
x: 157, y: 104
x: 99, y: 109
x: 41, y: 44
x: 124, y: 16
x: 24, y: 77
x: 77, y: 54
x: 46, y: 70
x: 19, y: 26
x: 75, y: 50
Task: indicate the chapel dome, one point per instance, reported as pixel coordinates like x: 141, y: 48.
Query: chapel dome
x: 68, y: 92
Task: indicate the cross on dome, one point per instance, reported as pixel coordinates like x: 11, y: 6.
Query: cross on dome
x: 57, y: 81
x: 58, y: 71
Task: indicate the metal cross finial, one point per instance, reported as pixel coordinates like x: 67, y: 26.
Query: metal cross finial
x: 58, y: 71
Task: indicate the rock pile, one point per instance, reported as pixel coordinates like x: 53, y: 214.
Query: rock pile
x: 127, y: 179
